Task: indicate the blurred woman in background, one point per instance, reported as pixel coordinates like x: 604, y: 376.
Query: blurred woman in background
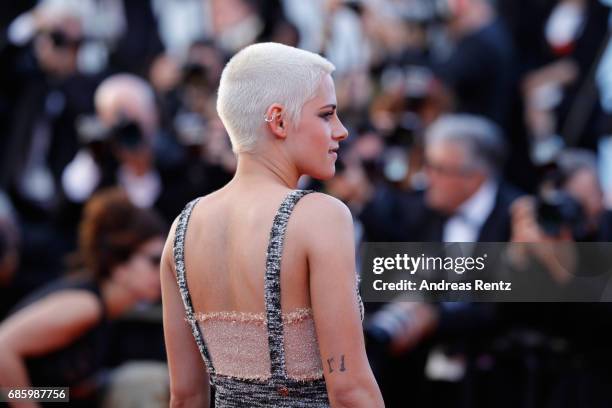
x: 58, y: 335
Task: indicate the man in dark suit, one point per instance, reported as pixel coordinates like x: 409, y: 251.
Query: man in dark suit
x: 465, y: 201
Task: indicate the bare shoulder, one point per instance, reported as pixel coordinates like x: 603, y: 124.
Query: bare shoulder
x: 168, y: 253
x: 198, y: 203
x: 167, y: 261
x: 319, y: 213
x: 323, y: 206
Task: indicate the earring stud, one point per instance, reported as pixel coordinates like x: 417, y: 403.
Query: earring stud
x: 270, y: 119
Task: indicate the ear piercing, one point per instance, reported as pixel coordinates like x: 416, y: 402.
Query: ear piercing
x: 270, y: 119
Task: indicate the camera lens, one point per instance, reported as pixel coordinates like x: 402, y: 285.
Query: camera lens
x: 59, y: 38
x: 556, y: 210
x: 128, y: 135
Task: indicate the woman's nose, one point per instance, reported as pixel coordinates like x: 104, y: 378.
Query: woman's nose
x: 340, y: 132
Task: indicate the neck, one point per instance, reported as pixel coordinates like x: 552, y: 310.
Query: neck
x: 266, y: 169
x: 117, y: 299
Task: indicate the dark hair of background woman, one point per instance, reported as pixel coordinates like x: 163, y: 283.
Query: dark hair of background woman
x: 111, y: 231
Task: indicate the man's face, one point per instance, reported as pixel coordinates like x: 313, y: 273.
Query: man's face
x: 453, y: 178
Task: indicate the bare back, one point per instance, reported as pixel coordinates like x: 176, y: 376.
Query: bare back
x: 225, y: 252
x: 258, y: 346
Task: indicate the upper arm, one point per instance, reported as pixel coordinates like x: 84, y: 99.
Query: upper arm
x: 331, y: 258
x: 50, y: 323
x: 188, y: 375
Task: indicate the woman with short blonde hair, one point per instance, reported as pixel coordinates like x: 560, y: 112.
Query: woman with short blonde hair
x: 265, y: 273
x: 259, y: 76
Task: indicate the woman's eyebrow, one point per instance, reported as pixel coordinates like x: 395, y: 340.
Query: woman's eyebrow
x: 331, y: 105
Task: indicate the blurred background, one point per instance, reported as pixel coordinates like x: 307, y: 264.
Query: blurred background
x: 469, y: 121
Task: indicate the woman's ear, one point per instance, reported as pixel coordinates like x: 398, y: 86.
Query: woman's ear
x: 275, y: 121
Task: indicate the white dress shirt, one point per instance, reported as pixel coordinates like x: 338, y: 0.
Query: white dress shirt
x: 465, y: 224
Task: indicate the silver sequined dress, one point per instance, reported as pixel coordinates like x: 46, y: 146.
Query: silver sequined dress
x: 266, y: 359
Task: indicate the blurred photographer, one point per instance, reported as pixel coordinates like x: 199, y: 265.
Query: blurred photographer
x: 42, y: 91
x: 542, y: 256
x: 563, y: 341
x: 126, y: 110
x: 540, y: 224
x: 570, y: 204
x: 568, y: 209
x: 579, y: 168
x: 45, y: 92
x: 127, y: 148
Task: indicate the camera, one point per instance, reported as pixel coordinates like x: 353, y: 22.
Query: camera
x: 355, y: 5
x: 127, y: 134
x: 556, y: 209
x: 61, y: 40
x: 387, y: 323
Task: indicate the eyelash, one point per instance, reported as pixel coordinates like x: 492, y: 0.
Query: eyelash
x: 327, y: 115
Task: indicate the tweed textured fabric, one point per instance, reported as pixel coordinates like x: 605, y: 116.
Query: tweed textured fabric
x: 278, y: 390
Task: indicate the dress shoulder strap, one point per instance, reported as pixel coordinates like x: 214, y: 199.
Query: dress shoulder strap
x: 274, y: 319
x: 179, y: 261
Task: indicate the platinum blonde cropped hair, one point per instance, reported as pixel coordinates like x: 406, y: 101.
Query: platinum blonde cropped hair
x: 259, y: 76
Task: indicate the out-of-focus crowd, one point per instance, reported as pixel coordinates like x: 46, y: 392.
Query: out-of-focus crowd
x: 469, y: 120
